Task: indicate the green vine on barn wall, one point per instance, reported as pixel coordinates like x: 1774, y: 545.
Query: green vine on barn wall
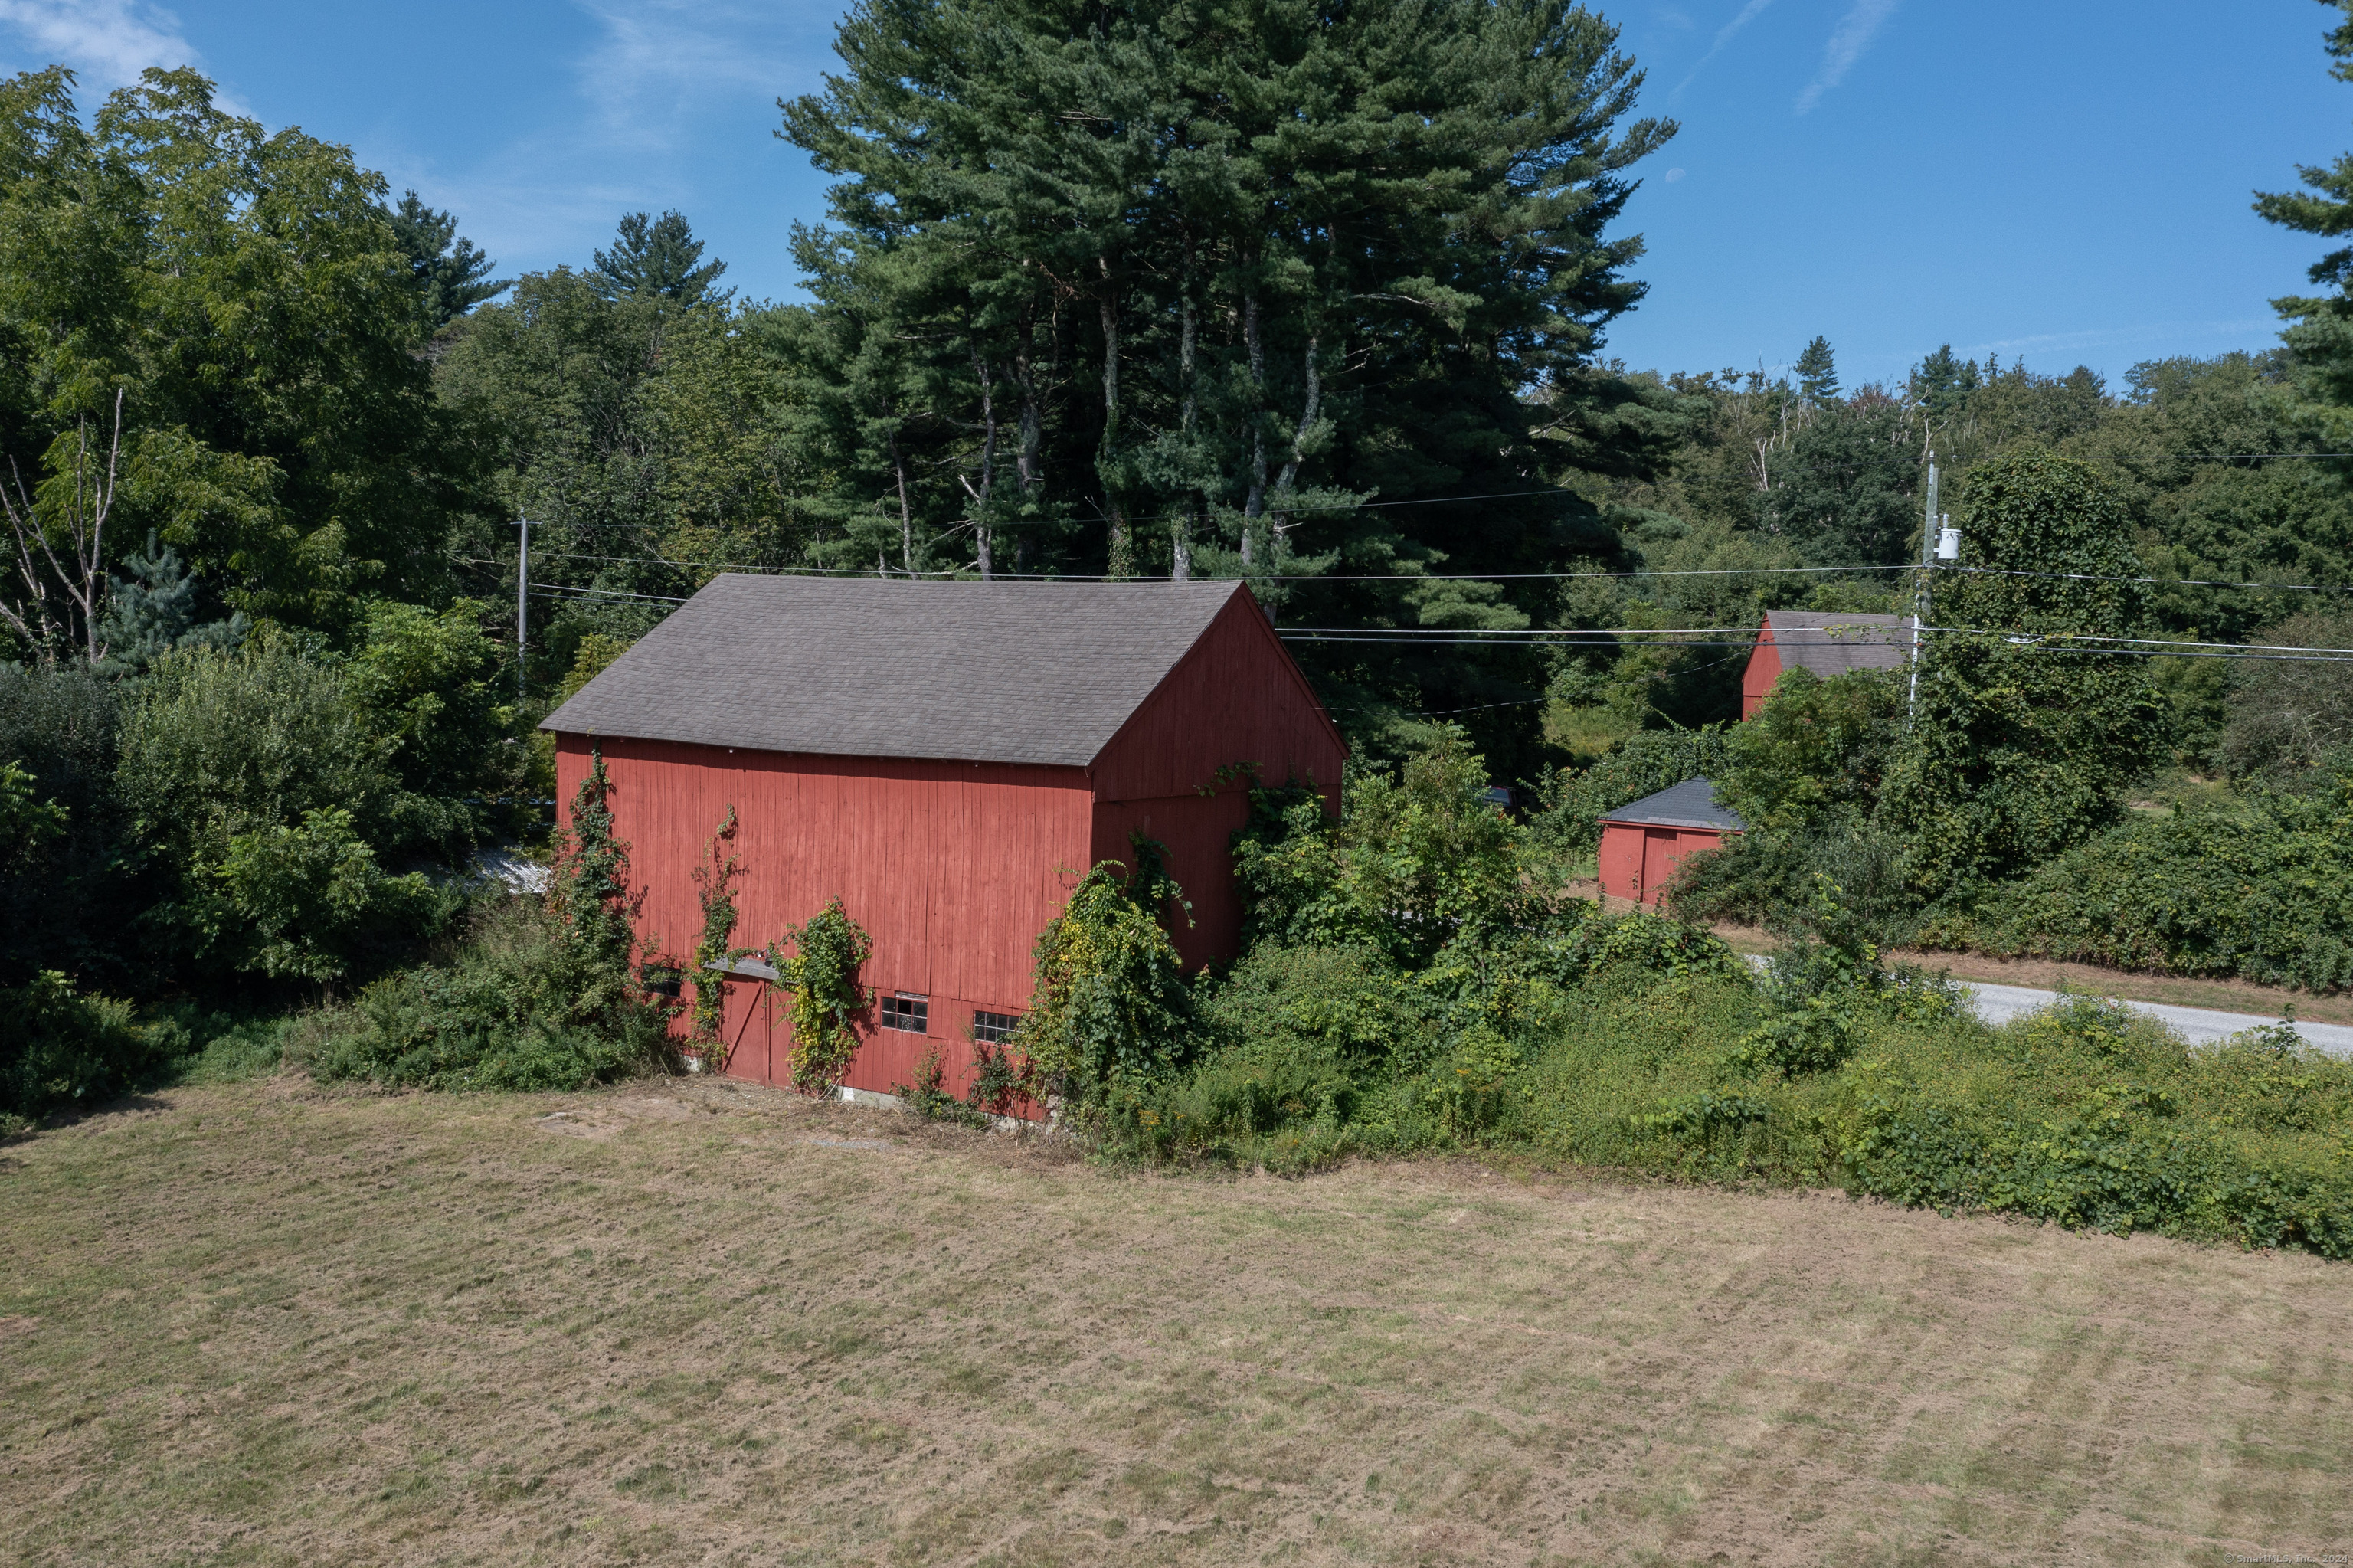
x: 822, y: 979
x: 714, y: 890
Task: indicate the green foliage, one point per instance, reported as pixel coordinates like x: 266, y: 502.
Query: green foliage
x: 292, y: 901
x: 2288, y: 718
x: 714, y: 893
x: 26, y: 822
x: 2026, y: 738
x: 1110, y: 1014
x: 245, y: 294
x: 60, y: 1048
x: 821, y: 976
x: 425, y: 683
x: 1816, y: 748
x: 544, y: 994
x: 65, y: 900
x: 1247, y: 381
x: 2263, y: 894
x: 1416, y: 855
x: 657, y: 257
x: 450, y: 273
x: 505, y: 1013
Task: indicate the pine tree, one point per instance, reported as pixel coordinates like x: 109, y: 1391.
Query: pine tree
x: 452, y: 275
x: 657, y: 257
x: 1171, y: 290
x: 2320, y: 334
x: 1817, y: 372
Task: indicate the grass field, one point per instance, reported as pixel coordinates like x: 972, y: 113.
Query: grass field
x: 692, y: 1323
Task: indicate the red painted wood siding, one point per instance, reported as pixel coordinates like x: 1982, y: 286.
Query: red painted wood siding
x: 1636, y: 861
x: 1764, y: 669
x: 952, y: 868
x: 1235, y: 697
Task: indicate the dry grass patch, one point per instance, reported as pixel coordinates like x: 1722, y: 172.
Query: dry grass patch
x: 699, y: 1323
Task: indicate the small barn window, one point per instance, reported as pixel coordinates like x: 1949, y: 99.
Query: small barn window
x: 994, y: 1028
x: 912, y: 1014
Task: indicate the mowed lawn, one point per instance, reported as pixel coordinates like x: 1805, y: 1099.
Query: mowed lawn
x: 691, y: 1323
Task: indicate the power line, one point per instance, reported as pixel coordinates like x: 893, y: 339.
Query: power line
x: 965, y: 574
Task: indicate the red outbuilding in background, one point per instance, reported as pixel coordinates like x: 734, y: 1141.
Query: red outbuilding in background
x: 1643, y: 842
x: 945, y: 758
x: 1827, y: 644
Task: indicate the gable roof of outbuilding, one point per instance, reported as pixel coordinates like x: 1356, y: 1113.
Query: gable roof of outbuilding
x: 1034, y: 673
x: 1690, y: 804
x: 1839, y: 643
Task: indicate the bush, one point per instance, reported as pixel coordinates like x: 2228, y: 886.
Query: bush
x: 501, y: 1016
x: 2265, y: 895
x: 545, y: 994
x: 59, y: 1048
x: 1110, y: 1015
x: 1416, y: 857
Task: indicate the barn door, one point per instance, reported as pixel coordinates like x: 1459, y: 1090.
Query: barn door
x: 1660, y: 852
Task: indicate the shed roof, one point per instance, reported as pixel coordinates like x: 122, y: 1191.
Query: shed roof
x: 1035, y: 672
x: 1690, y: 804
x: 1839, y: 643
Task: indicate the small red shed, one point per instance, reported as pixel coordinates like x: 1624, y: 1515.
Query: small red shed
x: 1826, y: 645
x: 1642, y: 843
x: 945, y: 758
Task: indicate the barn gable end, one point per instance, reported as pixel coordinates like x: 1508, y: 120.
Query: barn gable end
x: 944, y: 758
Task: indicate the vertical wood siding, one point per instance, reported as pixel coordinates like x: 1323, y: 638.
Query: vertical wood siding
x: 1235, y: 697
x: 952, y: 868
x: 1764, y: 669
x: 1636, y: 861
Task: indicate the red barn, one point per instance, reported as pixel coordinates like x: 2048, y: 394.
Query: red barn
x: 1827, y: 644
x: 945, y: 757
x: 1643, y: 842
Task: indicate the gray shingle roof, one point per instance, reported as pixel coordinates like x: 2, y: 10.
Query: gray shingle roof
x: 1836, y: 644
x: 1690, y: 804
x: 1042, y: 672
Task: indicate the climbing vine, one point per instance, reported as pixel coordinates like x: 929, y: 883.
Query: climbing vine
x: 821, y: 979
x: 714, y: 890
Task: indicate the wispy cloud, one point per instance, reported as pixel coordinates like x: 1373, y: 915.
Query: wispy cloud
x: 106, y: 42
x: 664, y: 60
x: 1849, y: 40
x: 1723, y: 36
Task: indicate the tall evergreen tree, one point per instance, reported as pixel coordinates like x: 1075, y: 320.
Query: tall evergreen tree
x: 2320, y: 334
x: 453, y: 274
x: 657, y: 257
x: 1166, y: 287
x: 1817, y: 372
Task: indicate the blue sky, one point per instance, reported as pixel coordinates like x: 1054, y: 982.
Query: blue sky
x: 2062, y: 180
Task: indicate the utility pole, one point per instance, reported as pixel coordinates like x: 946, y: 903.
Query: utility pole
x: 522, y: 592
x: 1920, y: 601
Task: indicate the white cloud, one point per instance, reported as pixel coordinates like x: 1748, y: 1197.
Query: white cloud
x: 106, y: 42
x: 1852, y: 35
x: 1723, y: 36
x: 661, y: 61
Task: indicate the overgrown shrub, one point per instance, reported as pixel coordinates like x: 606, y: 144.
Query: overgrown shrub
x: 2027, y: 737
x: 60, y: 1048
x: 2265, y: 894
x: 545, y: 993
x: 820, y: 977
x: 1110, y: 1014
x: 1415, y: 857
